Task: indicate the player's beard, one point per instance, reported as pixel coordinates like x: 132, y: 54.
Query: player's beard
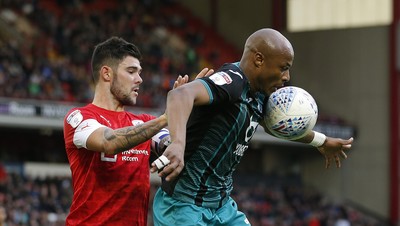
x: 121, y: 95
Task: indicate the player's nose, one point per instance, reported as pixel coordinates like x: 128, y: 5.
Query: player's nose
x: 286, y: 76
x: 138, y: 79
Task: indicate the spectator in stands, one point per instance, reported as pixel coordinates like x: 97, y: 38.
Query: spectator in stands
x: 3, y: 216
x: 209, y: 135
x: 52, y: 61
x: 108, y: 148
x: 3, y: 173
x: 342, y: 218
x: 262, y: 203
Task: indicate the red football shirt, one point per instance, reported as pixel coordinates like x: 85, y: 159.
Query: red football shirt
x: 108, y: 190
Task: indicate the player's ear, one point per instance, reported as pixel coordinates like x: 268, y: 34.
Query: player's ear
x: 105, y: 73
x: 258, y: 59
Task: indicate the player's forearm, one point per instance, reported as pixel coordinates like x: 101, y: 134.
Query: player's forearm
x: 122, y: 139
x: 307, y: 138
x: 179, y: 107
x: 313, y: 138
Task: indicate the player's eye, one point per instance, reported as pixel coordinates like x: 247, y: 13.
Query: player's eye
x: 286, y: 68
x: 132, y: 71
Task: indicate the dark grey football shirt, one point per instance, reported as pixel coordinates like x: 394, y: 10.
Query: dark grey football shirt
x: 218, y: 134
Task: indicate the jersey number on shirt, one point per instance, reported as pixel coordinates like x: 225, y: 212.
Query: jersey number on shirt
x: 104, y: 158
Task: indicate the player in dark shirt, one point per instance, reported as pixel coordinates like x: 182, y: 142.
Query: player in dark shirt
x: 211, y: 131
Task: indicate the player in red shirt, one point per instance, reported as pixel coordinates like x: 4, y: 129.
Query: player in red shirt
x: 108, y: 148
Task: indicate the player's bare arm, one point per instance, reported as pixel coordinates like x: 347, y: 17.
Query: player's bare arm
x: 333, y: 149
x: 115, y: 141
x: 112, y: 141
x: 182, y: 98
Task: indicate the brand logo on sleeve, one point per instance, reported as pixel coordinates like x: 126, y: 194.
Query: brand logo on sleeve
x: 221, y: 78
x: 75, y: 118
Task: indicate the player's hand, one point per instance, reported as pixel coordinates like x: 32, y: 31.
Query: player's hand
x: 204, y: 73
x: 184, y: 79
x: 180, y: 81
x: 334, y: 149
x: 174, y: 154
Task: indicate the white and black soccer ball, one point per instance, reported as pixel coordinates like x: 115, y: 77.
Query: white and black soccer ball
x: 290, y: 113
x: 160, y: 141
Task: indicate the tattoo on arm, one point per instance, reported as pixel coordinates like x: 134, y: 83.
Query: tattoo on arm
x: 125, y: 138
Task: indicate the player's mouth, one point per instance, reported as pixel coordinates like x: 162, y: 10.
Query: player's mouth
x: 136, y: 91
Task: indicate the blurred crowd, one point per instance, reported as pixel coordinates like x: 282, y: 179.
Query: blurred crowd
x: 45, y: 202
x: 34, y: 201
x: 269, y: 202
x: 46, y: 55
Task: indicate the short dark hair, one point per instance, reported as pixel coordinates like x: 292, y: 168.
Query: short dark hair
x: 111, y: 52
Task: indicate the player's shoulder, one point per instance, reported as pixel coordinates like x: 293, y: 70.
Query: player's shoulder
x: 77, y: 114
x: 232, y: 69
x: 228, y: 74
x: 230, y: 66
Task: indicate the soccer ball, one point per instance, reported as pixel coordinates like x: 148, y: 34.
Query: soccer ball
x: 290, y: 113
x: 160, y: 141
